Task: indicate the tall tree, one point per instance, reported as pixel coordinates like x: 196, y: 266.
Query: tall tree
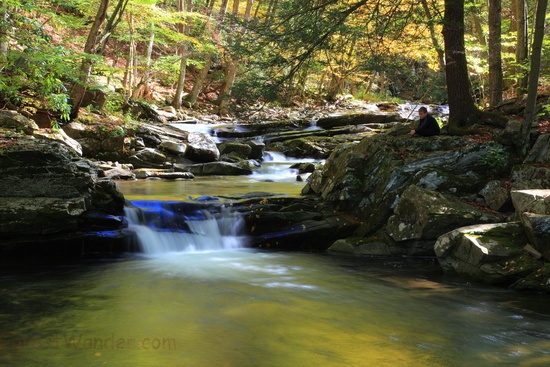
x: 534, y: 73
x: 463, y: 112
x: 462, y: 109
x: 522, y: 46
x: 98, y: 36
x: 496, y: 83
x: 90, y: 48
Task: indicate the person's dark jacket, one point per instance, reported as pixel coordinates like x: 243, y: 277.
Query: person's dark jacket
x: 427, y: 126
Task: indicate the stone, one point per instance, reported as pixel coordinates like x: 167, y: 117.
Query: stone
x: 218, y: 168
x: 173, y: 147
x: 147, y: 158
x: 537, y: 229
x: 60, y: 136
x: 425, y: 214
x: 540, y: 153
x: 46, y: 191
x: 497, y: 197
x: 489, y: 253
x: 241, y: 150
x: 17, y: 122
x: 201, y: 148
x: 532, y: 201
x: 530, y: 176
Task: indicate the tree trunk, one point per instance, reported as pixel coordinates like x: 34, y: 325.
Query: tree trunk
x: 495, y: 59
x: 534, y: 72
x: 178, y: 95
x: 79, y: 90
x: 225, y: 91
x: 199, y: 81
x: 462, y: 109
x: 248, y: 10
x: 521, y: 47
x: 3, y: 35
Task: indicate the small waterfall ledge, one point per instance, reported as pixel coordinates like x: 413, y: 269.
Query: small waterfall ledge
x: 169, y: 226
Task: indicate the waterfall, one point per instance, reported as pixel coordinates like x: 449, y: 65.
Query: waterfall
x: 163, y: 227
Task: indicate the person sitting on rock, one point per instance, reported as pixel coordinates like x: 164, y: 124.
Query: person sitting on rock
x: 427, y: 126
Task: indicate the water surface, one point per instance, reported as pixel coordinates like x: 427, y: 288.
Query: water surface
x: 253, y: 308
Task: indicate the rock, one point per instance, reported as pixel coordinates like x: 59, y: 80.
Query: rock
x: 357, y: 119
x: 150, y: 173
x: 218, y: 168
x: 424, y: 214
x: 540, y: 153
x: 532, y: 201
x: 147, y: 158
x: 173, y: 147
x: 241, y: 150
x: 59, y: 135
x: 256, y: 149
x: 17, y: 122
x: 537, y: 229
x: 201, y: 148
x: 489, y: 253
x: 508, y: 136
x: 97, y: 140
x: 530, y: 176
x: 497, y: 197
x: 46, y: 192
x: 118, y: 173
x: 301, y: 227
x: 360, y: 246
x: 367, y: 178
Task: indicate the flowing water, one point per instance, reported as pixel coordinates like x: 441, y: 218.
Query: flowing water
x: 195, y: 299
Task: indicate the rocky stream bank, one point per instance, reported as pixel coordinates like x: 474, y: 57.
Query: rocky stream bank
x: 469, y: 201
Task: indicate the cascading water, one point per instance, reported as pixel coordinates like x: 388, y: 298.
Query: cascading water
x: 163, y: 227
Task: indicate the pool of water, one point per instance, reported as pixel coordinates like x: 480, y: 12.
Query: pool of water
x: 242, y: 307
x: 254, y: 308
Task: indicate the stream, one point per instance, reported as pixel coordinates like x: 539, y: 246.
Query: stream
x: 209, y: 301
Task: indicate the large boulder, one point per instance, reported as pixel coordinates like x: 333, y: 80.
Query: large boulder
x: 489, y: 253
x: 98, y: 140
x: 426, y: 214
x: 368, y: 177
x: 49, y: 194
x: 533, y: 209
x: 201, y: 148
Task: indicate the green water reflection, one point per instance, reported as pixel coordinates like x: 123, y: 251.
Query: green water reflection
x: 251, y: 308
x: 224, y: 186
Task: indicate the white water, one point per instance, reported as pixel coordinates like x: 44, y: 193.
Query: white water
x: 203, y: 232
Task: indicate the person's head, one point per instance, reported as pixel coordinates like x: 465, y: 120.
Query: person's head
x: 422, y: 112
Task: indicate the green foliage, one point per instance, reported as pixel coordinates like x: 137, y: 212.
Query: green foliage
x: 496, y: 157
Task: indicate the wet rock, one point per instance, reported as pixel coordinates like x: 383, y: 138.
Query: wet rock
x: 201, y: 148
x: 490, y: 253
x: 147, y: 158
x: 218, y: 168
x: 173, y: 147
x: 241, y: 150
x: 46, y: 190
